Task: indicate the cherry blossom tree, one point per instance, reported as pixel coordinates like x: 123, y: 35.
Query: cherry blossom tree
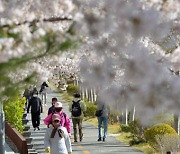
x: 29, y: 31
x: 129, y: 49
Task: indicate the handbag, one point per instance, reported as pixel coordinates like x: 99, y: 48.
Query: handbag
x: 99, y: 112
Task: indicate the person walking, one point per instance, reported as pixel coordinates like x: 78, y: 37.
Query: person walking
x: 51, y: 109
x: 77, y: 107
x: 42, y: 91
x: 34, y: 90
x: 36, y: 109
x: 65, y: 121
x: 102, y: 119
x: 56, y: 138
x: 27, y: 95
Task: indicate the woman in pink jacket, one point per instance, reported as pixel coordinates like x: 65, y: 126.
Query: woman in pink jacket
x: 65, y: 121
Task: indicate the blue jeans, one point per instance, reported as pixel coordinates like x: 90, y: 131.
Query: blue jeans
x: 104, y: 121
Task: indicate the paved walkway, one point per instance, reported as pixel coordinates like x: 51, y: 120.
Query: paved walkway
x: 89, y: 145
x: 8, y: 150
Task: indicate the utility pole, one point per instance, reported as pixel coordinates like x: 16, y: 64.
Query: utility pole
x: 2, y: 130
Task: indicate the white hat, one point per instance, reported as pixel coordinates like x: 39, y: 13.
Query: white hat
x: 58, y: 104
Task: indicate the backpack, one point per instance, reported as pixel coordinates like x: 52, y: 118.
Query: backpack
x: 76, y: 109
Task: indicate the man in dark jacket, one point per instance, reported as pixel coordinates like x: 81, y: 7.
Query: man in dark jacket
x: 51, y: 109
x: 36, y: 109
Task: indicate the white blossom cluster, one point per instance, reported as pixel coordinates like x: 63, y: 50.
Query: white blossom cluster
x: 43, y: 74
x: 131, y: 65
x: 16, y: 18
x: 19, y: 11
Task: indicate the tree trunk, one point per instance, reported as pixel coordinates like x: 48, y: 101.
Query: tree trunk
x: 134, y: 112
x: 95, y: 96
x: 86, y: 93
x: 126, y: 116
x: 92, y: 98
x: 176, y: 123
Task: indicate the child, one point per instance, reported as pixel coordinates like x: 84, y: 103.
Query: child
x: 65, y: 121
x: 56, y: 139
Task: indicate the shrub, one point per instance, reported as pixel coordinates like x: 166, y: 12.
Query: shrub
x: 160, y: 130
x: 136, y: 140
x: 91, y: 109
x: 136, y: 128
x: 168, y: 142
x: 71, y: 89
x: 125, y: 128
x: 14, y: 110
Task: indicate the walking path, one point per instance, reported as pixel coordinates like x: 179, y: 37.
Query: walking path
x: 8, y: 150
x: 89, y: 145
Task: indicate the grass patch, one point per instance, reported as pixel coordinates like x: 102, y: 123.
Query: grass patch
x: 124, y: 137
x: 92, y: 121
x: 114, y: 129
x: 145, y: 148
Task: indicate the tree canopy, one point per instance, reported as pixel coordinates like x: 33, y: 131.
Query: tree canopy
x: 127, y: 50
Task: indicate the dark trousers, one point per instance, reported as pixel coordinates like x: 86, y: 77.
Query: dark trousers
x: 77, y: 121
x: 27, y: 101
x: 35, y: 117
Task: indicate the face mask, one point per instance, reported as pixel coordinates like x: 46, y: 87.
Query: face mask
x: 58, y: 109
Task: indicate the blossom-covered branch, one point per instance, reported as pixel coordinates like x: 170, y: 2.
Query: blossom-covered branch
x: 35, y: 21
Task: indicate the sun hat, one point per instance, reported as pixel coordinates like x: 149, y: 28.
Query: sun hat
x: 58, y: 104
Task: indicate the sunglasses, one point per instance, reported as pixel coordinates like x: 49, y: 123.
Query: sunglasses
x: 56, y: 121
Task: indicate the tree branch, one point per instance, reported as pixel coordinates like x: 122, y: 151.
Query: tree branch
x: 52, y: 19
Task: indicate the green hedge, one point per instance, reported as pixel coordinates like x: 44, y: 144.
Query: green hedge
x: 125, y: 128
x: 71, y: 89
x: 160, y: 130
x: 14, y: 110
x: 91, y: 109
